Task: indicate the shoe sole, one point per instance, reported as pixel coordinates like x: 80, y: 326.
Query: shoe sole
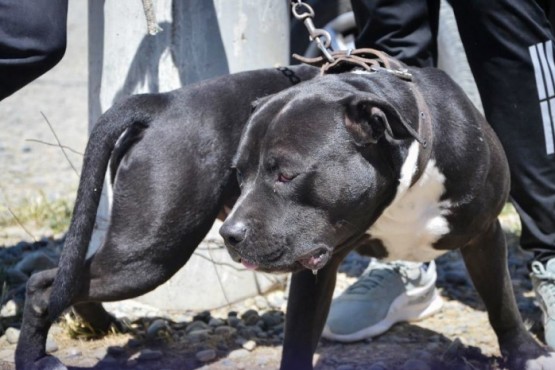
x: 400, y: 310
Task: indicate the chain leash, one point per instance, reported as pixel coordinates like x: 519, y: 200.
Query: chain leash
x: 304, y: 12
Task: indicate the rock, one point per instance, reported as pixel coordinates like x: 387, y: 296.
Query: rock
x: 422, y: 355
x: 260, y: 302
x: 9, y: 309
x: 149, y: 355
x: 203, y: 316
x: 206, y: 355
x: 346, y: 367
x: 233, y: 321
x: 34, y: 262
x: 272, y: 318
x: 16, y: 277
x: 215, y: 322
x: 225, y: 330
x: 249, y: 345
x: 198, y: 335
x: 378, y: 366
x: 134, y: 343
x: 12, y: 335
x: 196, y: 325
x: 100, y: 353
x: 116, y: 351
x: 250, y: 317
x: 413, y: 364
x: 156, y: 327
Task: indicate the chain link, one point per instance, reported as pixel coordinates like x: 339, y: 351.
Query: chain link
x: 304, y: 12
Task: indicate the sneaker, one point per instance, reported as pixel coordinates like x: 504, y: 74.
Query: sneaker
x: 386, y: 293
x: 543, y: 280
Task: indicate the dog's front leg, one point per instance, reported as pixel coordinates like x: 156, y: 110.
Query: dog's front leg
x: 307, y: 308
x: 486, y: 261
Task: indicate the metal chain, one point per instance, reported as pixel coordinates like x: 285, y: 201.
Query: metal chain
x: 304, y: 12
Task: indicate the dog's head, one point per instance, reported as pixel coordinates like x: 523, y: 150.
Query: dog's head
x: 316, y: 165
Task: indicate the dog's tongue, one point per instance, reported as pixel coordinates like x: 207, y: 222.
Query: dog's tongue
x: 249, y: 265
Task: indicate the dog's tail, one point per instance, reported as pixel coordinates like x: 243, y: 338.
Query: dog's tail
x: 102, y: 140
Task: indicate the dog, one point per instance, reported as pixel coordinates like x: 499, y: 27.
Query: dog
x: 395, y: 160
x: 170, y: 164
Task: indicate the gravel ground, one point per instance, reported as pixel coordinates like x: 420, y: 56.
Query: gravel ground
x: 246, y: 335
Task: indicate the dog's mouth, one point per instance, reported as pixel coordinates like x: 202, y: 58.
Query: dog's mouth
x: 315, y: 259
x: 277, y: 261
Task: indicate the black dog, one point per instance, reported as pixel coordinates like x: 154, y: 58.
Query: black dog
x: 410, y: 169
x: 171, y: 174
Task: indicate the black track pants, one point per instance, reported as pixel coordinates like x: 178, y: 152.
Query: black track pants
x: 32, y: 40
x: 509, y: 46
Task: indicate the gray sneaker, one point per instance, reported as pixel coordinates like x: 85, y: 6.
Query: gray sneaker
x: 386, y: 293
x: 543, y: 279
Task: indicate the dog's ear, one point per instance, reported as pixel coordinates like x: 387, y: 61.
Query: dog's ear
x: 369, y: 118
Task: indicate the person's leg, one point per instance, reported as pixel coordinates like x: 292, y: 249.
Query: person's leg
x: 406, y: 30
x: 387, y: 293
x: 32, y: 40
x: 509, y: 45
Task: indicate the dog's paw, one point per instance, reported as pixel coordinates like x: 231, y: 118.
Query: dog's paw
x: 544, y: 362
x: 49, y: 363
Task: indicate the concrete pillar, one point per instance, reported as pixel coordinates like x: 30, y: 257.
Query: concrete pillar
x: 199, y: 39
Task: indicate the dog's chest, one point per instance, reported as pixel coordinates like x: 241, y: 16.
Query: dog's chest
x: 415, y: 219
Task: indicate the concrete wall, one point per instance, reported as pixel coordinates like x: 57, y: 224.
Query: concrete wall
x: 199, y: 39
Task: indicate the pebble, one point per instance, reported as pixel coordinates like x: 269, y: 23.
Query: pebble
x: 12, y: 335
x: 215, y: 322
x: 156, y: 327
x: 116, y: 351
x: 16, y: 277
x: 9, y: 309
x: 249, y: 345
x: 225, y: 330
x: 196, y: 325
x: 378, y: 366
x: 206, y: 355
x: 414, y: 364
x: 261, y: 302
x: 250, y: 317
x: 346, y: 367
x: 149, y: 355
x: 34, y: 262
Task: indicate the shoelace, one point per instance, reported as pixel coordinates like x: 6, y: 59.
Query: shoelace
x: 547, y: 286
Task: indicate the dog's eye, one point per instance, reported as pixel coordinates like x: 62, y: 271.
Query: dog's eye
x: 284, y: 177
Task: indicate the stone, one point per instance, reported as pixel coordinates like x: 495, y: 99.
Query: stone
x: 202, y: 316
x: 260, y: 302
x: 225, y: 330
x: 249, y: 345
x: 206, y: 355
x: 149, y: 355
x: 34, y: 262
x: 116, y: 351
x: 196, y: 325
x: 233, y: 321
x: 378, y: 366
x: 9, y: 309
x: 215, y: 322
x: 12, y: 335
x: 250, y: 317
x: 272, y: 318
x: 414, y: 364
x: 156, y: 327
x: 16, y: 277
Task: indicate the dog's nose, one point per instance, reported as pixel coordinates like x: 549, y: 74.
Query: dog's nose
x: 233, y: 233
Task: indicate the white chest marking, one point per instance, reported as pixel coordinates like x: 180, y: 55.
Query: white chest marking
x: 416, y: 218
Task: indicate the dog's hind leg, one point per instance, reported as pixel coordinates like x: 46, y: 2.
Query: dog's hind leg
x: 486, y: 261
x: 94, y: 314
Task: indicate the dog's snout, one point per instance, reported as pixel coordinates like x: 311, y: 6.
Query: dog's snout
x: 233, y: 233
